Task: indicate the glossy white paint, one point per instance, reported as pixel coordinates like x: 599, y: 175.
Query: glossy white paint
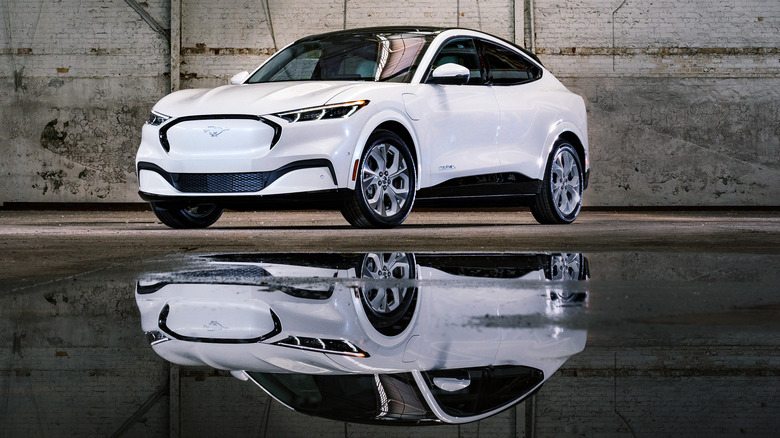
x: 456, y: 130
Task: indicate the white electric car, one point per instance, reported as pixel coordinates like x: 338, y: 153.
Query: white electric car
x: 371, y: 122
x: 392, y: 338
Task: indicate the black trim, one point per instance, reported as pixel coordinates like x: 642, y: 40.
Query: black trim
x: 267, y: 178
x: 164, y: 327
x: 143, y: 165
x: 476, y: 201
x: 319, y: 200
x: 494, y: 190
x: 493, y: 184
x: 586, y: 178
x: 164, y: 129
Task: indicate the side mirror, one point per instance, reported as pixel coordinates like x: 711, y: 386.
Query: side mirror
x: 239, y: 78
x: 450, y: 74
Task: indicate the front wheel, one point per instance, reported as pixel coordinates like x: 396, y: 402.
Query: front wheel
x: 560, y: 199
x: 384, y: 190
x: 192, y: 216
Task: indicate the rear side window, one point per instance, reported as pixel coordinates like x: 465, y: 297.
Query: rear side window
x: 508, y: 67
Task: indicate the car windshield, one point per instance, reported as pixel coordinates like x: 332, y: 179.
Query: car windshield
x: 391, y: 57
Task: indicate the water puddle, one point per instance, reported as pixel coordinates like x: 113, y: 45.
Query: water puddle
x: 522, y: 343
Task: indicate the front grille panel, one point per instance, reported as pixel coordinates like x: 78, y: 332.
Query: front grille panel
x: 220, y: 182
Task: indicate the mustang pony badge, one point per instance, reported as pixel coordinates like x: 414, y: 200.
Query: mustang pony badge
x: 214, y: 131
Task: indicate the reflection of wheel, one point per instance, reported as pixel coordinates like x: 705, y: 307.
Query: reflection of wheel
x: 384, y: 192
x: 193, y: 216
x: 560, y: 199
x: 389, y: 307
x: 566, y: 266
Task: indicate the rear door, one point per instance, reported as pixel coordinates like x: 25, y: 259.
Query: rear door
x: 524, y: 121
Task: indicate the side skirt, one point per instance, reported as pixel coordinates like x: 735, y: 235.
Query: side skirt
x: 496, y: 189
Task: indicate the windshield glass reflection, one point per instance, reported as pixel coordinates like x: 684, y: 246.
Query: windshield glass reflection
x: 393, y: 338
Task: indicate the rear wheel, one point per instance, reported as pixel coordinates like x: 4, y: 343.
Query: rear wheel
x: 191, y: 216
x: 384, y: 190
x: 560, y: 199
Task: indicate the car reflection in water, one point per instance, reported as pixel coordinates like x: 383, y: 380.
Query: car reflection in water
x: 390, y: 338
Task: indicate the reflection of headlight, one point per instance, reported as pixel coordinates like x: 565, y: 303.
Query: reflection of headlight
x: 157, y: 119
x: 332, y: 346
x: 336, y: 111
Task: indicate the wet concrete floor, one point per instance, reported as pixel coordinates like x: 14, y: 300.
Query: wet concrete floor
x: 678, y: 314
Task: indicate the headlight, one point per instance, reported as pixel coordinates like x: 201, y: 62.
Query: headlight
x: 157, y: 119
x: 335, y: 111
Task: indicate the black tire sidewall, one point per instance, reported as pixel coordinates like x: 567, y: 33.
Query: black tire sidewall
x: 180, y: 218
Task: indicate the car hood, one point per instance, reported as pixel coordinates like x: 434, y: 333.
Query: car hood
x: 255, y: 99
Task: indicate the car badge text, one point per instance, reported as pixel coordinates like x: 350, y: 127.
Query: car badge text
x: 215, y: 130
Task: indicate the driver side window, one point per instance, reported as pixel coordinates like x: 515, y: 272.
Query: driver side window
x: 461, y: 51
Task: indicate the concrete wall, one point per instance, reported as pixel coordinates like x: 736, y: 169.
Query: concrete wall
x: 683, y: 97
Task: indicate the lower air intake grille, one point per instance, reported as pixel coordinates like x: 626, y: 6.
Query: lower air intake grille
x: 220, y: 182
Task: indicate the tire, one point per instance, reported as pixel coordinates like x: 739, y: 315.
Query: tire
x: 560, y: 199
x: 194, y: 216
x: 385, y: 187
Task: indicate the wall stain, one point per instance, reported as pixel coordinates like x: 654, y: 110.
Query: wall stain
x: 53, y: 179
x: 51, y: 138
x: 16, y: 347
x: 96, y: 149
x: 19, y: 80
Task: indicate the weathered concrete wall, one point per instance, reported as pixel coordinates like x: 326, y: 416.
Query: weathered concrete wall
x: 78, y: 81
x: 683, y: 97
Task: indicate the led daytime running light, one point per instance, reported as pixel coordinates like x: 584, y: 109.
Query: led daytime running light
x: 336, y: 111
x: 331, y: 346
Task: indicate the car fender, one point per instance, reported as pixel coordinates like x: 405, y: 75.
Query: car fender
x: 385, y: 115
x: 552, y: 136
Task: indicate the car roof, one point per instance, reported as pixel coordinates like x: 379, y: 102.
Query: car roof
x: 433, y: 30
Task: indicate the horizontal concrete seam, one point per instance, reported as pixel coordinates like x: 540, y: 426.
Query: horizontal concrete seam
x: 658, y: 51
x: 686, y: 372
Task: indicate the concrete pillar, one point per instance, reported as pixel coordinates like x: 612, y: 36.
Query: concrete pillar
x: 519, y: 17
x: 176, y: 14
